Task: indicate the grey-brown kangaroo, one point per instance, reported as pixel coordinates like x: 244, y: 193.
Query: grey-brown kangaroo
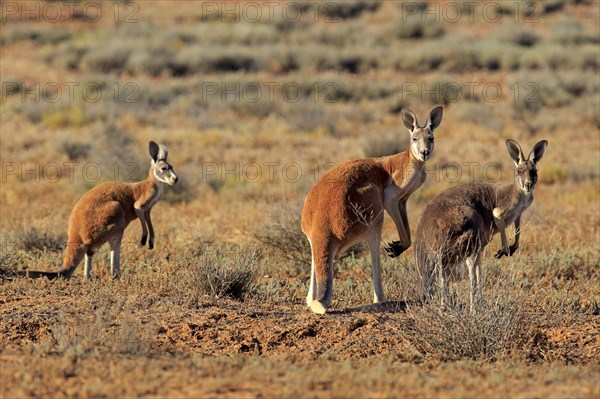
x: 459, y: 222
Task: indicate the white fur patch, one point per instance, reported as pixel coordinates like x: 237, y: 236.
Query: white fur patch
x: 311, y: 289
x: 497, y: 212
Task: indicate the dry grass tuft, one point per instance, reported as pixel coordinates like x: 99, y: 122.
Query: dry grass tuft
x: 31, y: 238
x: 283, y: 234
x: 218, y: 276
x: 499, y: 329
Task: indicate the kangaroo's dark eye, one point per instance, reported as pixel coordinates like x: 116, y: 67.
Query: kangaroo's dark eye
x: 414, y: 139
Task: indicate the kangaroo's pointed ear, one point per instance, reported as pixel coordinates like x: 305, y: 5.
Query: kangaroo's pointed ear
x: 538, y: 151
x: 515, y: 152
x: 435, y: 117
x: 409, y: 119
x: 162, y: 152
x: 153, y: 149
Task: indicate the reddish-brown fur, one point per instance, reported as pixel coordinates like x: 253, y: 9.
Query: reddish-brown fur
x: 346, y: 207
x: 330, y: 207
x: 328, y: 210
x: 102, y: 214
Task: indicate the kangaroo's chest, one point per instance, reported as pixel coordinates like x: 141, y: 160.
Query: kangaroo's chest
x: 148, y: 198
x: 518, y: 211
x: 509, y: 216
x: 155, y: 196
x: 402, y: 186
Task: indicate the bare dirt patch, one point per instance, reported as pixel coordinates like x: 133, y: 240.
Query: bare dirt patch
x: 53, y: 345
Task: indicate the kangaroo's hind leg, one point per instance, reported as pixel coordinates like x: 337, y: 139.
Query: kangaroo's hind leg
x: 115, y: 255
x: 323, y: 257
x: 378, y: 295
x: 473, y: 265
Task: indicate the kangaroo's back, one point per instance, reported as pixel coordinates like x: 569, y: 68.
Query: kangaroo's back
x: 102, y: 214
x: 456, y: 224
x: 328, y: 205
x: 99, y: 209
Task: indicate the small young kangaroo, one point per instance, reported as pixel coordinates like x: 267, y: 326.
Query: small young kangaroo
x: 458, y: 223
x: 103, y: 213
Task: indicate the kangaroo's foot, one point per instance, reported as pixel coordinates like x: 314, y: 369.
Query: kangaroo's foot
x: 395, y: 248
x: 317, y: 307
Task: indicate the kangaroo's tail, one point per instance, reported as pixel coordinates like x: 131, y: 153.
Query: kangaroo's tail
x: 73, y: 256
x: 425, y: 268
x: 38, y: 274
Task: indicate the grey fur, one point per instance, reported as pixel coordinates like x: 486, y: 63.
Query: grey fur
x: 459, y: 223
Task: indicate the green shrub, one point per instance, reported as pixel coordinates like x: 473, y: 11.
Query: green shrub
x: 152, y: 62
x: 11, y: 86
x: 33, y: 111
x: 443, y: 89
x: 64, y: 116
x: 569, y: 32
x: 417, y: 27
x: 552, y: 6
x: 493, y: 118
x: 589, y: 59
x: 519, y: 36
x: 349, y: 33
x: 560, y: 57
x: 424, y: 58
x: 207, y: 59
x: 493, y: 55
x: 540, y: 90
x: 307, y: 116
x: 16, y: 32
x: 554, y: 173
x: 110, y: 57
x: 524, y: 8
x: 578, y: 84
x: 346, y: 9
x: 397, y: 102
x: 347, y: 59
x: 261, y: 108
x: 9, y: 259
x: 455, y: 53
x: 65, y: 55
x: 75, y: 149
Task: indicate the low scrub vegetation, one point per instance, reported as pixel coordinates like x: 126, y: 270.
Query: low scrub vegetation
x: 284, y: 236
x: 221, y: 275
x: 253, y: 114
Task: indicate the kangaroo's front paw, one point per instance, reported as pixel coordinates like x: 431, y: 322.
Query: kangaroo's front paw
x: 143, y: 241
x: 395, y: 248
x: 501, y: 253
